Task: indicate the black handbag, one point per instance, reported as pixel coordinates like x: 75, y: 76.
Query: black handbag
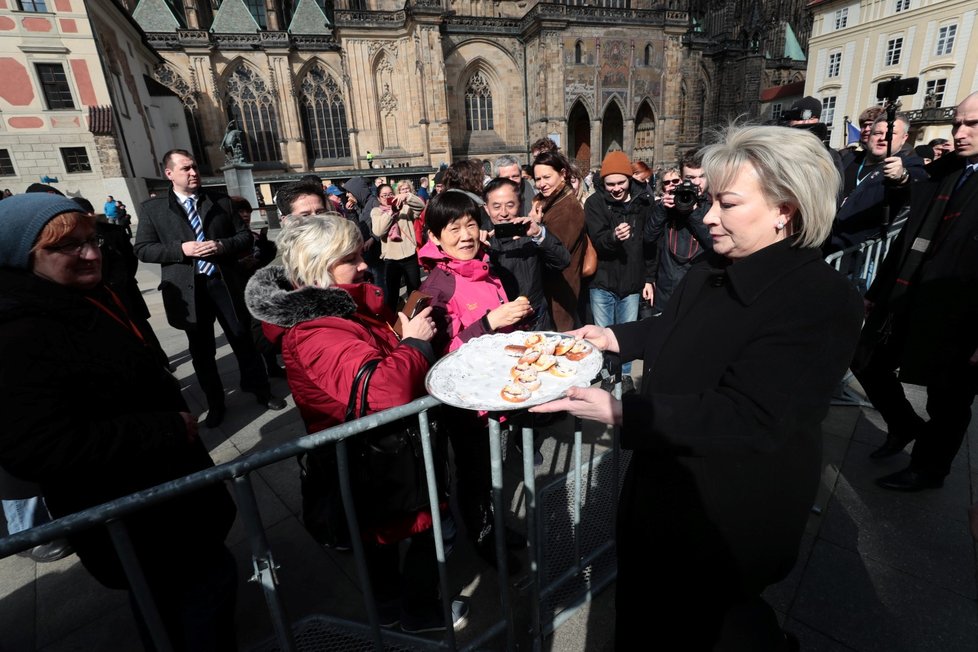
x: 387, y: 473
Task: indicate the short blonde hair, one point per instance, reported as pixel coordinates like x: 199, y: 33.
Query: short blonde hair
x: 312, y: 245
x: 405, y: 182
x: 793, y: 168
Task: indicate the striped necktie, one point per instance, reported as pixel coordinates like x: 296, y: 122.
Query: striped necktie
x: 203, y: 267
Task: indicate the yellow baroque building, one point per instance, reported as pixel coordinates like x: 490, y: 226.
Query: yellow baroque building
x: 857, y: 45
x: 338, y: 86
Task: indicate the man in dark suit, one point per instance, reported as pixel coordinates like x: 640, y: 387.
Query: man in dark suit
x: 923, y: 316
x: 197, y: 238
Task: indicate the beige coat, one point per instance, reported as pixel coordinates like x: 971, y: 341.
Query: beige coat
x: 381, y: 221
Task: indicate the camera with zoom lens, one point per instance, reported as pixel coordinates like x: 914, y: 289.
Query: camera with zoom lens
x: 686, y: 195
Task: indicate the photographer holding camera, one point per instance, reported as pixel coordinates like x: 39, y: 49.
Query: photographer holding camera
x: 677, y: 230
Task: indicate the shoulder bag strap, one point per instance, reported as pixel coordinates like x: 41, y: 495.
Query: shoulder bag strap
x: 363, y: 375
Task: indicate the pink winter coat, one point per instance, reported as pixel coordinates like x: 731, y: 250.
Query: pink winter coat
x: 463, y: 291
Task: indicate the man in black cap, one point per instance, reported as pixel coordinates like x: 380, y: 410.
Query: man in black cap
x: 806, y: 113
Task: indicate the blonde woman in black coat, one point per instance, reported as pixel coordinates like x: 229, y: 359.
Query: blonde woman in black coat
x: 725, y: 432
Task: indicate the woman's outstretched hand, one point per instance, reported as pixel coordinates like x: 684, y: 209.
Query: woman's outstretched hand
x: 603, y: 339
x: 422, y: 327
x: 589, y: 403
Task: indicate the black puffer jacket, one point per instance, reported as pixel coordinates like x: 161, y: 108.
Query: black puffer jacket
x: 91, y: 415
x: 624, y: 266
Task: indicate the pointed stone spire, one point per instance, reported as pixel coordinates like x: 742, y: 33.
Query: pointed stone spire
x: 309, y: 19
x: 234, y: 18
x: 155, y: 16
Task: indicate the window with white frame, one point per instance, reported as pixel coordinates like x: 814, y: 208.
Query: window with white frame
x: 936, y: 87
x: 828, y: 109
x: 902, y: 5
x: 776, y: 109
x: 894, y: 48
x: 945, y: 39
x: 841, y: 18
x: 835, y: 64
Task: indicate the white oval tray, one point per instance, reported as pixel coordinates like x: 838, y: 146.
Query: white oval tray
x: 472, y: 376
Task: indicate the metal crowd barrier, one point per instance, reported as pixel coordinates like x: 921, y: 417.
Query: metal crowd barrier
x: 577, y: 513
x: 859, y: 263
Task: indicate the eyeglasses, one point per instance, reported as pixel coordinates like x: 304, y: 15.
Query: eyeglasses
x: 385, y: 195
x: 671, y: 182
x: 75, y: 247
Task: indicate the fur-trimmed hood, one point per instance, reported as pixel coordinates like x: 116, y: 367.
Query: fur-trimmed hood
x: 272, y: 298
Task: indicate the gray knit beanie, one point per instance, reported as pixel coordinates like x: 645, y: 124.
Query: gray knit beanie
x: 22, y: 218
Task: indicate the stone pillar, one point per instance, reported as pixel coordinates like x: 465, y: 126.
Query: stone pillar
x: 240, y: 181
x: 273, y: 11
x: 192, y: 12
x: 597, y: 143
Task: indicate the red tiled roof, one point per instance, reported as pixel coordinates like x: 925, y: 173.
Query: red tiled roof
x: 788, y: 90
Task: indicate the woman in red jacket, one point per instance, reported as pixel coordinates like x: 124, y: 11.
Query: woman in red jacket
x: 329, y: 323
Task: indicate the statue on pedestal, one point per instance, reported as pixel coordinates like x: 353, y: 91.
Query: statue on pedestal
x: 232, y: 144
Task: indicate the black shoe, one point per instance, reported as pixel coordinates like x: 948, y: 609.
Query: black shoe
x: 434, y: 621
x: 215, y: 415
x: 271, y: 402
x: 53, y: 551
x: 893, y: 445
x: 910, y: 480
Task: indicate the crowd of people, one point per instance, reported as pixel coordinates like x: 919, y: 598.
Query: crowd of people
x: 711, y: 273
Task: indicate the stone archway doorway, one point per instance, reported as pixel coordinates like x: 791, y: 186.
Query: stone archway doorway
x: 579, y: 136
x: 612, y: 130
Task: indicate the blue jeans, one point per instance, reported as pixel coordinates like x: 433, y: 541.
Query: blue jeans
x: 608, y: 310
x: 24, y: 514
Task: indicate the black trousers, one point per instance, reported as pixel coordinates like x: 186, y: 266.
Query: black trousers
x: 409, y: 269
x: 213, y: 301
x: 949, y: 399
x: 196, y: 603
x: 415, y: 583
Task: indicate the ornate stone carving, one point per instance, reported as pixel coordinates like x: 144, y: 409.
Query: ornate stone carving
x: 390, y: 47
x: 388, y: 103
x: 579, y: 91
x: 169, y: 78
x: 193, y: 38
x: 385, y: 19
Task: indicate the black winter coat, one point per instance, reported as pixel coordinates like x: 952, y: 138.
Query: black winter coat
x: 164, y: 227
x: 91, y: 415
x: 939, y: 313
x: 725, y: 432
x: 624, y: 266
x: 519, y: 264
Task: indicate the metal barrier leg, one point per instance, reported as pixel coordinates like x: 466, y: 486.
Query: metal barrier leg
x: 496, y: 465
x: 138, y: 585
x: 262, y: 561
x: 343, y: 467
x: 433, y: 500
x: 530, y: 493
